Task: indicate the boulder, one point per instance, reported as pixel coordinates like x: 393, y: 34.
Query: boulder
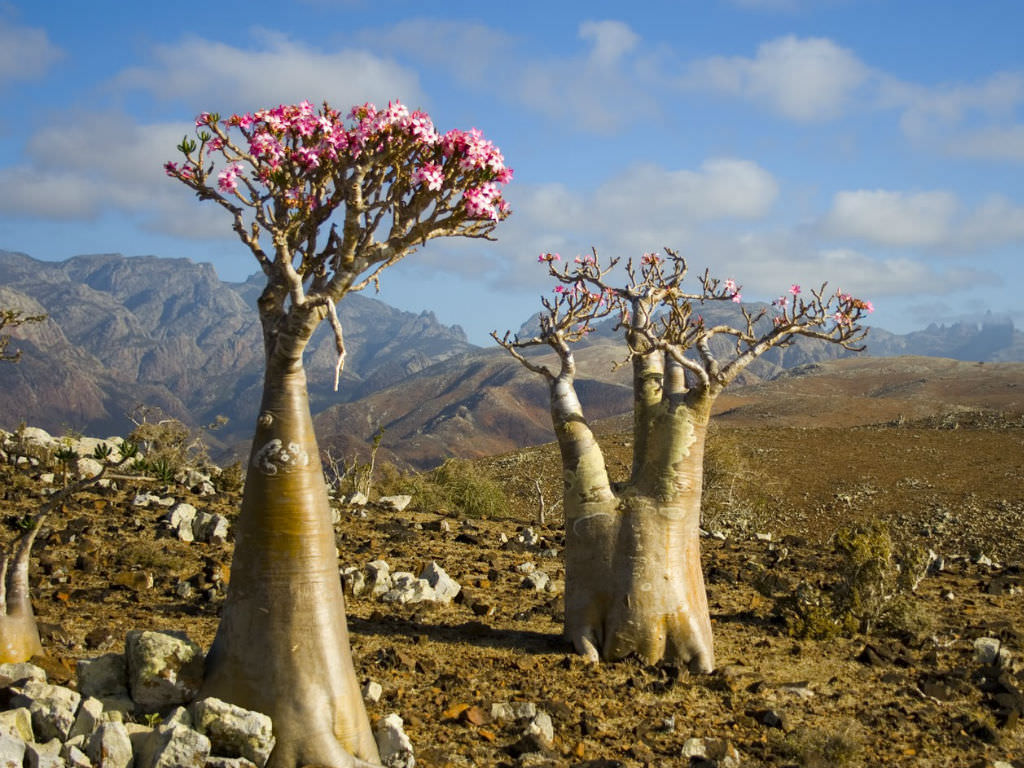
x: 395, y: 503
x: 104, y: 676
x: 53, y: 708
x: 110, y: 746
x: 176, y: 746
x: 444, y: 586
x: 164, y: 669
x: 233, y: 731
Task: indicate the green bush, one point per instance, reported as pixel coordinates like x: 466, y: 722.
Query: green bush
x: 457, y: 486
x: 872, y: 589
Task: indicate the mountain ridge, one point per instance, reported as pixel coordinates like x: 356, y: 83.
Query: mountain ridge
x: 123, y: 331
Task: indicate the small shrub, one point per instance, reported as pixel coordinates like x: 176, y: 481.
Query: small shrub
x: 456, y: 485
x: 838, y: 747
x: 872, y: 589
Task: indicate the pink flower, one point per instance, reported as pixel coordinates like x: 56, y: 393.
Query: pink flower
x: 782, y: 301
x: 737, y: 298
x: 227, y: 179
x: 868, y: 307
x: 560, y: 289
x: 429, y: 174
x: 794, y: 289
x: 730, y: 286
x: 202, y: 119
x: 171, y: 169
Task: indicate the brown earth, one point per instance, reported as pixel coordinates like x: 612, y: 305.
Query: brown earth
x: 942, y: 464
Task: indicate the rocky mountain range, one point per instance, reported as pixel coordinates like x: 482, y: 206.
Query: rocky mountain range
x: 167, y: 333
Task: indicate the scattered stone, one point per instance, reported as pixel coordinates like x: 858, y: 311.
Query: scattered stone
x: 13, y: 673
x: 44, y: 755
x: 990, y: 651
x: 395, y: 503
x: 444, y: 586
x: 378, y: 578
x: 103, y: 676
x: 17, y: 723
x: 87, y: 467
x: 372, y: 692
x: 164, y: 669
x: 12, y: 751
x: 215, y: 761
x: 145, y: 499
x: 536, y: 580
x: 357, y: 499
x: 406, y: 588
x: 392, y: 742
x: 76, y: 757
x: 180, y: 519
x: 53, y: 708
x: 110, y: 746
x: 137, y: 581
x: 211, y: 528
x: 90, y: 713
x: 176, y: 746
x: 233, y: 731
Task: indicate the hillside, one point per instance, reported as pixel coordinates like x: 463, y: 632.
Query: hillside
x: 169, y: 334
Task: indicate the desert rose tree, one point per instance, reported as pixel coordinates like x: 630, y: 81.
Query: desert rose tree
x: 634, y: 583
x: 324, y: 203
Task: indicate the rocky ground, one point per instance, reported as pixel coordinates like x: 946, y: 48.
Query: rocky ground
x: 917, y: 696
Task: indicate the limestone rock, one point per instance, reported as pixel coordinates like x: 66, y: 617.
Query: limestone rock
x: 176, y: 746
x: 180, y: 519
x: 12, y: 751
x: 90, y: 713
x: 44, y: 755
x: 378, y: 577
x: 12, y: 673
x: 211, y: 528
x: 17, y: 723
x: 406, y: 588
x: 53, y: 708
x: 444, y: 586
x: 395, y: 503
x: 164, y: 669
x: 109, y: 746
x: 392, y: 742
x: 233, y: 731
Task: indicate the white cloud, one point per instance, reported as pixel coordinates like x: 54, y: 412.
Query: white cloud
x: 599, y: 91
x: 26, y: 53
x: 211, y: 75
x: 995, y: 222
x: 473, y: 53
x: 803, y: 79
x: 892, y: 218
x: 65, y: 176
x: 997, y: 143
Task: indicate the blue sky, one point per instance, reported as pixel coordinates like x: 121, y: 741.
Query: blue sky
x: 875, y: 144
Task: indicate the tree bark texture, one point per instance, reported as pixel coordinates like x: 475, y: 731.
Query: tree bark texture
x: 282, y: 647
x: 634, y: 583
x: 19, y: 633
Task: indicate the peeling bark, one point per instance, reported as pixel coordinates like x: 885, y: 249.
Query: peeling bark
x: 282, y: 647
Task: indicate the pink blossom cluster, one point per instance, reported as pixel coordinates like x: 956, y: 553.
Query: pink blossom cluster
x: 306, y: 144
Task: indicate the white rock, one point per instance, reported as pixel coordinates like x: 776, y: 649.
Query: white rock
x: 211, y: 528
x: 444, y: 586
x: 353, y: 580
x: 406, y: 588
x: 76, y: 757
x: 110, y: 746
x: 12, y: 673
x: 216, y: 761
x: 395, y: 503
x: 357, y: 500
x: 164, y: 669
x: 87, y: 467
x: 990, y: 650
x: 176, y: 746
x: 53, y: 708
x: 536, y: 580
x: 17, y: 723
x: 393, y: 744
x: 372, y: 692
x: 12, y: 751
x: 513, y: 711
x: 233, y: 731
x: 145, y: 499
x: 44, y: 755
x: 90, y: 713
x: 181, y: 518
x: 378, y: 577
x: 541, y: 726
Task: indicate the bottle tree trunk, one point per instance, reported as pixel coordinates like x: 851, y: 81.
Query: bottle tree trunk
x: 634, y: 583
x: 282, y: 647
x: 19, y: 633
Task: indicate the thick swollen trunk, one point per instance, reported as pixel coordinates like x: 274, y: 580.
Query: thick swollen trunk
x: 19, y: 634
x: 634, y: 583
x: 282, y: 646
